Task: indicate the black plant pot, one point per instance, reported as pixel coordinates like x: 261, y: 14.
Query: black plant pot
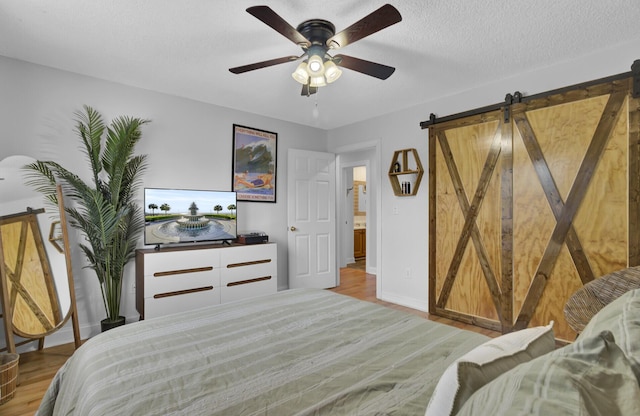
x: 106, y: 325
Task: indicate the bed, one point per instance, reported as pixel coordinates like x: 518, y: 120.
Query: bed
x: 295, y: 352
x: 314, y: 352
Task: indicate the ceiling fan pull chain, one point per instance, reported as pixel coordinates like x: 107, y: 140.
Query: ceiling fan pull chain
x: 316, y: 111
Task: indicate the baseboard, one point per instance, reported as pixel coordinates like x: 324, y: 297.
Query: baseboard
x: 413, y: 303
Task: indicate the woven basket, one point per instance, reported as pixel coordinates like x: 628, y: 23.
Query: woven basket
x: 8, y: 376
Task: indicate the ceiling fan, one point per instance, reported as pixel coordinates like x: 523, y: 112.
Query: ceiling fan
x: 316, y: 37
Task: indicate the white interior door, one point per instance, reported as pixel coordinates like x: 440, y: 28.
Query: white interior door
x: 312, y: 219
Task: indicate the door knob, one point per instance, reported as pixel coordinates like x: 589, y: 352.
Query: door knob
x: 293, y: 228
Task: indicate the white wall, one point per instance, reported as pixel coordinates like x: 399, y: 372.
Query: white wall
x: 188, y: 143
x: 403, y: 266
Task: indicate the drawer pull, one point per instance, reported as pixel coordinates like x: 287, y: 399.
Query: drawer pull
x: 244, y: 282
x: 182, y: 292
x: 247, y: 263
x: 183, y: 271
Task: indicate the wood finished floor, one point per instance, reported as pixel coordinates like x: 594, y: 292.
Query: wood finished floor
x: 37, y: 368
x: 356, y: 283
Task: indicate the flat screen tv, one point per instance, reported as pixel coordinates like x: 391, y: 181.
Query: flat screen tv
x: 188, y: 216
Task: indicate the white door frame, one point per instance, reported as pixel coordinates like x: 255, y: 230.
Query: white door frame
x: 374, y: 167
x: 342, y: 204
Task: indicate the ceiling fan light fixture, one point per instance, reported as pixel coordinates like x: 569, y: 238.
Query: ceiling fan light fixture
x: 315, y: 65
x: 317, y: 81
x: 331, y: 71
x: 300, y: 74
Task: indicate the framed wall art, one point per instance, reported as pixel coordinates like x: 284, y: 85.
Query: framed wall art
x: 254, y: 164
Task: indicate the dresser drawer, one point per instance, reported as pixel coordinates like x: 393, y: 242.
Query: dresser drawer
x: 248, y: 289
x: 178, y: 260
x: 180, y: 279
x: 168, y: 304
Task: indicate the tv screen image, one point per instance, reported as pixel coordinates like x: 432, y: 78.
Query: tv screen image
x: 188, y: 215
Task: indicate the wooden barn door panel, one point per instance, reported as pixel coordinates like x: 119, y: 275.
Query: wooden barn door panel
x: 530, y: 204
x: 533, y: 222
x: 467, y: 232
x: 604, y: 237
x: 579, y: 152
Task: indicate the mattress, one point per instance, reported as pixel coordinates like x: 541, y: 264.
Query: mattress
x: 297, y: 352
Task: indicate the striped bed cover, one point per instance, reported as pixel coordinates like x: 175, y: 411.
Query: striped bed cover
x: 298, y: 352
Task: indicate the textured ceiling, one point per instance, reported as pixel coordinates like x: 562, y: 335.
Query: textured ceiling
x: 185, y: 47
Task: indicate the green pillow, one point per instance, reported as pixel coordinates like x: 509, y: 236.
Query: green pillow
x: 592, y: 376
x: 622, y: 318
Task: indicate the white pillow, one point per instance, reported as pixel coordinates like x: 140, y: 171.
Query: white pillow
x: 486, y: 362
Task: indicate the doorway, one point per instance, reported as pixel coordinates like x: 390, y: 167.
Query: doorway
x: 367, y: 156
x: 357, y: 200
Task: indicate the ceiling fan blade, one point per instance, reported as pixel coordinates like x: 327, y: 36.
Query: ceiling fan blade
x: 263, y: 64
x: 366, y: 67
x: 385, y: 16
x: 307, y: 90
x: 273, y: 20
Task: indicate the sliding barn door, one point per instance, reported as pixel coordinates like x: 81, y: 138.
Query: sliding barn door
x: 530, y: 202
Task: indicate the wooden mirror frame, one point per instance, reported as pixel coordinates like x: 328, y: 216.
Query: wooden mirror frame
x: 9, y: 299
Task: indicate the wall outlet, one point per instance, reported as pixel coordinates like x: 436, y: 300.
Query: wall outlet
x: 407, y: 273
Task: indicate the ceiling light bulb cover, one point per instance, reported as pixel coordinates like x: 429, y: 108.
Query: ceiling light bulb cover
x: 331, y: 71
x: 318, y: 81
x: 315, y: 65
x: 300, y: 74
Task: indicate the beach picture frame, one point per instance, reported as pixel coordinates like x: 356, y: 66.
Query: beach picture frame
x: 254, y: 164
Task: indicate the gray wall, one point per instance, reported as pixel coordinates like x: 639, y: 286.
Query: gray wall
x: 189, y: 144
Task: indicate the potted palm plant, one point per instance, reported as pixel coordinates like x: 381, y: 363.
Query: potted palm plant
x: 104, y: 210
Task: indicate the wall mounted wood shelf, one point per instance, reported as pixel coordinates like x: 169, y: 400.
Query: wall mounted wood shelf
x: 405, y: 172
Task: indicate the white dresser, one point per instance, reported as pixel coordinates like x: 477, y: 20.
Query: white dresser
x: 176, y: 279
